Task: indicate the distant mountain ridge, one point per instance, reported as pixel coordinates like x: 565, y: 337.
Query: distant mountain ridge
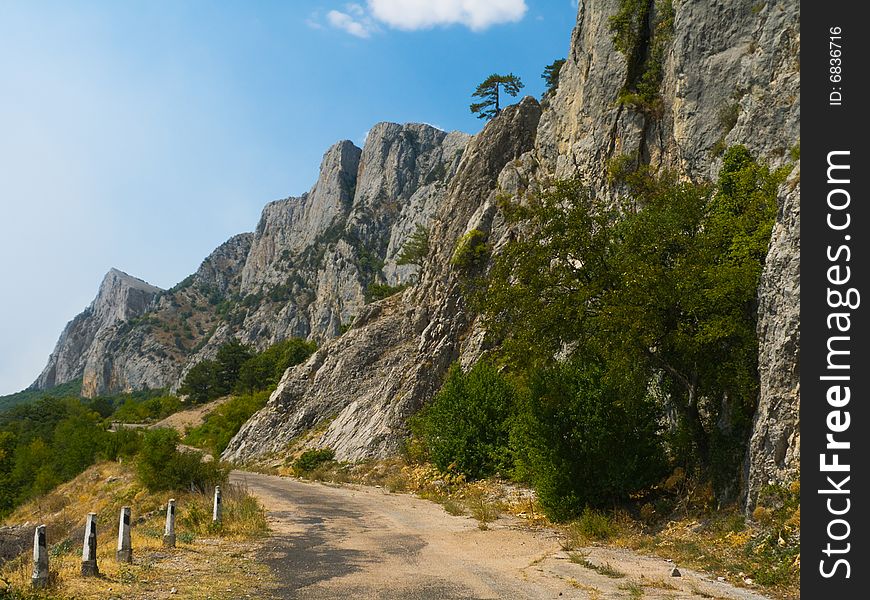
x: 304, y: 271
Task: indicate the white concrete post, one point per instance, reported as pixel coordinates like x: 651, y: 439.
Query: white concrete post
x: 125, y: 546
x: 89, y: 548
x: 40, y: 559
x: 169, y: 532
x: 217, y: 513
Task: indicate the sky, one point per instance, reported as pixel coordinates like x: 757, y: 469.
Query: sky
x: 141, y: 135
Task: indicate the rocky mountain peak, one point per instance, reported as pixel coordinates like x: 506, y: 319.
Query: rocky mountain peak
x: 120, y: 298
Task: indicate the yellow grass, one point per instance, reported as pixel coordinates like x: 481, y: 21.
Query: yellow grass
x: 208, y: 562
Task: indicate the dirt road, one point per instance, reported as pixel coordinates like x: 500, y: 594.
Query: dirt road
x: 358, y: 542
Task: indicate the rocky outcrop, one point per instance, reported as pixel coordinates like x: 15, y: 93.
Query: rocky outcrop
x: 151, y: 350
x: 774, y: 449
x: 367, y: 382
x: 304, y: 272
x: 120, y: 298
x: 730, y: 76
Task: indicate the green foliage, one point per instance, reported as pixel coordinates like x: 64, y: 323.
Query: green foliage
x: 489, y: 91
x: 123, y: 443
x: 644, y: 48
x: 551, y: 76
x: 137, y: 410
x: 46, y: 443
x: 201, y: 383
x: 379, y: 291
x: 583, y: 440
x: 627, y: 25
x: 64, y: 390
x: 237, y: 368
x: 416, y: 248
x: 212, y: 379
x: 591, y: 525
x: 310, y: 460
x: 466, y: 426
x: 161, y: 466
x: 662, y: 287
x: 224, y: 422
x: 263, y: 371
x: 471, y: 250
x: 795, y: 152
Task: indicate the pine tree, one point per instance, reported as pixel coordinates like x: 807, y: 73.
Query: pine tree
x: 551, y: 76
x: 489, y: 91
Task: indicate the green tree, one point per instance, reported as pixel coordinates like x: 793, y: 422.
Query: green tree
x: 230, y: 358
x: 551, y: 76
x: 583, y: 439
x: 466, y: 426
x: 161, y: 466
x: 416, y: 248
x: 490, y: 91
x: 666, y: 283
x: 263, y: 371
x: 201, y: 382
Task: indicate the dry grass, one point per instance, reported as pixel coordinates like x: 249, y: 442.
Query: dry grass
x: 208, y: 561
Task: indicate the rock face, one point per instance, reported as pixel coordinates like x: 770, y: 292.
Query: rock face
x: 368, y: 381
x: 120, y: 299
x: 150, y: 351
x: 304, y: 272
x: 774, y: 450
x: 730, y: 76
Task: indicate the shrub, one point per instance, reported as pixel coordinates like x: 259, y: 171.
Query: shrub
x: 466, y: 426
x: 583, y: 440
x: 471, y: 250
x: 311, y: 459
x: 264, y: 370
x: 224, y: 422
x: 379, y: 291
x: 122, y: 443
x: 161, y: 466
x: 416, y: 247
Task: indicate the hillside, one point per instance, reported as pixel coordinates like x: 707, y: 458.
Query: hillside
x: 70, y: 388
x: 647, y: 88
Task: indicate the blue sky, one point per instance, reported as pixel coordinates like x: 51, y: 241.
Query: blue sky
x: 141, y: 135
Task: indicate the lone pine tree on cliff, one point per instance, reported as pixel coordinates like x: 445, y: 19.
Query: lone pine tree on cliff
x: 489, y: 91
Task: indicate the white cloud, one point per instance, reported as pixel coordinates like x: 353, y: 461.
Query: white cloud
x: 355, y: 21
x: 423, y: 14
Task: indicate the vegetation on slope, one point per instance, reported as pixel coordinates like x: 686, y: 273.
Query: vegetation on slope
x: 208, y: 561
x: 237, y: 368
x: 64, y: 390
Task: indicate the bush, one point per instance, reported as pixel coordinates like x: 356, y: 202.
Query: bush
x: 310, y: 460
x: 379, y: 291
x: 122, y: 443
x: 161, y: 466
x: 263, y: 371
x: 466, y: 426
x: 471, y: 250
x: 225, y: 421
x: 585, y: 441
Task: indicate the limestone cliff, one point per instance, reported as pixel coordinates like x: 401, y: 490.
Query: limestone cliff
x: 304, y: 272
x: 729, y: 75
x: 369, y: 380
x: 726, y: 71
x: 120, y: 298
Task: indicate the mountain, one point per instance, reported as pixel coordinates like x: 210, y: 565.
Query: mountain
x: 304, y: 271
x: 699, y: 77
x: 729, y: 75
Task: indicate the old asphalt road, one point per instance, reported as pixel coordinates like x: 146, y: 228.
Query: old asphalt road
x: 359, y: 542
